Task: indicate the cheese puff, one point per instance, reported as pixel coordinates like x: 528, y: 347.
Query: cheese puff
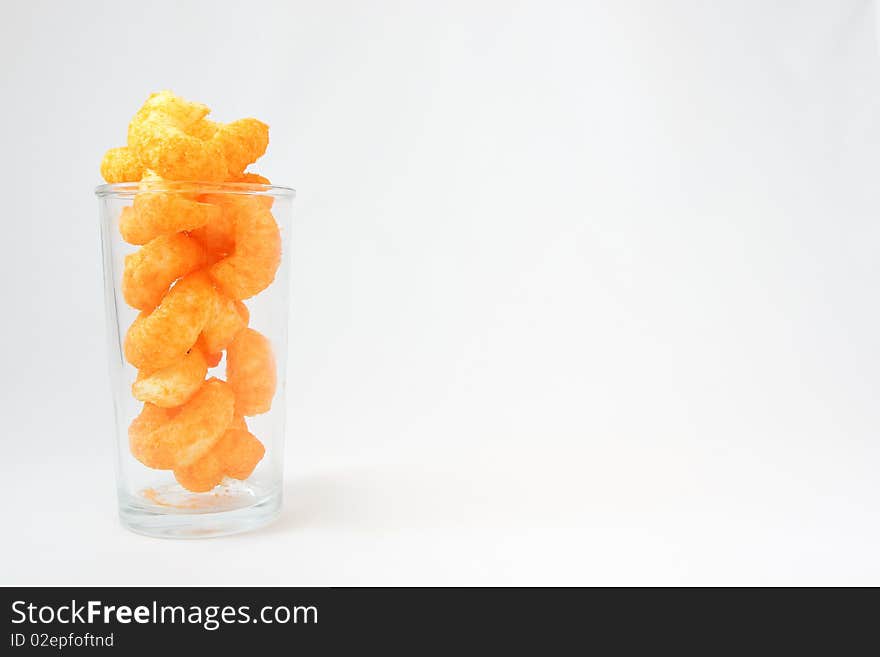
x: 211, y: 358
x: 203, y: 129
x: 158, y: 135
x: 239, y: 451
x: 162, y: 213
x: 139, y: 432
x: 158, y: 338
x: 235, y: 455
x: 202, y: 475
x: 243, y: 311
x: 196, y: 427
x: 250, y: 371
x: 121, y: 165
x: 242, y: 143
x: 149, y: 271
x: 224, y: 323
x: 173, y: 385
x: 252, y: 265
x: 181, y: 111
x: 253, y: 178
x: 176, y: 155
x: 217, y: 236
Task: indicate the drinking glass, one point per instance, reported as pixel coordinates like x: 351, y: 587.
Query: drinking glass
x: 152, y: 501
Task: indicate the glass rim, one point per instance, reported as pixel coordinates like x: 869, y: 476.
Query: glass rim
x: 131, y: 189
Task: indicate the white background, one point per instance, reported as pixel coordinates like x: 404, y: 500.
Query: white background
x: 583, y: 293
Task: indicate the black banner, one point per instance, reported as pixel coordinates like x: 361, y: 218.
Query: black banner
x: 212, y: 621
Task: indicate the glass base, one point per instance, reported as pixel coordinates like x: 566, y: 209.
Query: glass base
x: 172, y: 512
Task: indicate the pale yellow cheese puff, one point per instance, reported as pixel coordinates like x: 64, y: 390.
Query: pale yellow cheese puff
x: 183, y: 113
x: 158, y: 134
x: 121, y: 165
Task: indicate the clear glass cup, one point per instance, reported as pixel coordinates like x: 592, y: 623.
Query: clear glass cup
x: 184, y: 436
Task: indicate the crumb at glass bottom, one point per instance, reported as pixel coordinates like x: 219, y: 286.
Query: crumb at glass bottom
x: 171, y: 511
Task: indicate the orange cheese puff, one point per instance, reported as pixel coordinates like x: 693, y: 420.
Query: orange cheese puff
x: 139, y: 432
x: 239, y: 451
x: 242, y: 142
x: 236, y: 454
x: 250, y: 371
x: 202, y: 475
x: 173, y: 385
x: 252, y: 266
x: 203, y: 129
x: 158, y: 135
x: 121, y: 165
x: 161, y: 213
x: 156, y: 265
x: 217, y: 236
x: 211, y: 358
x: 224, y: 323
x: 254, y: 178
x: 243, y: 311
x: 158, y: 338
x: 197, y: 426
